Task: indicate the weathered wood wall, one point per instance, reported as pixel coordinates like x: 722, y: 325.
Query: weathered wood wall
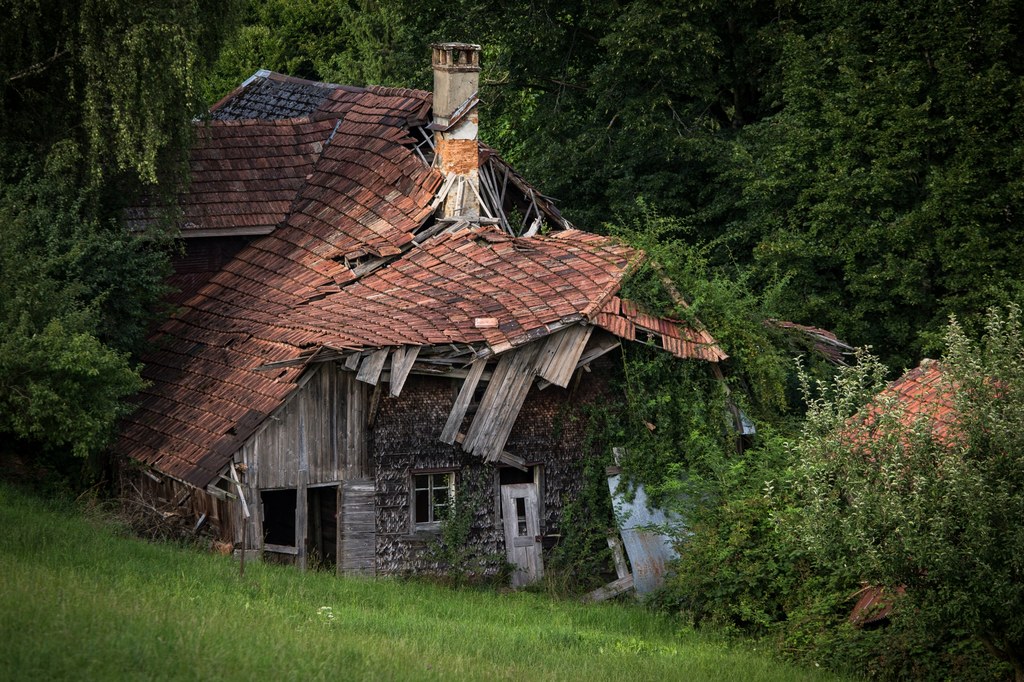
x: 317, y: 437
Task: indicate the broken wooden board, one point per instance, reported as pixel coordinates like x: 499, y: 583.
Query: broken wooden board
x: 402, y: 359
x: 560, y: 353
x: 501, y: 403
x: 371, y: 367
x: 458, y: 413
x: 598, y: 345
x: 612, y: 589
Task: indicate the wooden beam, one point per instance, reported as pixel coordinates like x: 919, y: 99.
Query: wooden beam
x: 618, y: 556
x: 505, y: 457
x: 241, y: 495
x: 612, y: 589
x: 402, y: 359
x: 371, y: 367
x: 451, y: 427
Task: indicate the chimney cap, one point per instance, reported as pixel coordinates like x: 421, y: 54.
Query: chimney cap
x: 456, y: 56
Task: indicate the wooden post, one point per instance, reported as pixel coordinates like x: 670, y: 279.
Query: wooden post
x: 245, y: 519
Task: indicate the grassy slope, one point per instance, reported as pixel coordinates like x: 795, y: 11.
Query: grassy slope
x: 77, y: 601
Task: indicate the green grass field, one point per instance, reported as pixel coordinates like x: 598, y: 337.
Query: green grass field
x: 78, y: 600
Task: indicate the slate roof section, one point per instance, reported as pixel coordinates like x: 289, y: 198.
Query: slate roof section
x: 267, y: 95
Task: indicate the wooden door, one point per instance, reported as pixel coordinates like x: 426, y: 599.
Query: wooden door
x: 522, y: 532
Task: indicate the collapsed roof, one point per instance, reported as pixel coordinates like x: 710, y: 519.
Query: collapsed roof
x: 338, y: 183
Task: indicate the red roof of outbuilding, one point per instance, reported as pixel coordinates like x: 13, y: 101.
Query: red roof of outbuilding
x: 921, y: 393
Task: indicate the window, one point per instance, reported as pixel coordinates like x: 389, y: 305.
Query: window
x: 432, y: 493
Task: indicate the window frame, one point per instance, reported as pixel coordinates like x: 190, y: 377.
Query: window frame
x: 432, y: 523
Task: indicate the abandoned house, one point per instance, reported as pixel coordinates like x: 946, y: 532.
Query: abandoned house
x: 378, y: 314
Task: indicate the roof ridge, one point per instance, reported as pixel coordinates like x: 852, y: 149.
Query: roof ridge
x: 285, y: 78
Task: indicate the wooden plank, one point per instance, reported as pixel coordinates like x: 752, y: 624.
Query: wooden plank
x: 495, y: 418
x: 560, y: 354
x: 488, y: 401
x: 618, y: 556
x: 458, y: 413
x: 489, y: 398
x: 357, y: 528
x: 352, y: 361
x: 402, y: 359
x: 370, y: 369
x: 374, y: 405
x: 280, y: 549
x: 301, y: 503
x: 612, y: 589
x: 605, y: 344
x: 241, y: 495
x: 301, y: 509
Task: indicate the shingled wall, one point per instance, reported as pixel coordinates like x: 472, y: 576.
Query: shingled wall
x: 550, y: 431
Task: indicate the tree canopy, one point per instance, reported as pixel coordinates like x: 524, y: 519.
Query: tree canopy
x: 96, y: 102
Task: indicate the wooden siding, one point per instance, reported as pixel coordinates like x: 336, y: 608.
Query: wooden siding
x: 357, y: 541
x: 317, y: 437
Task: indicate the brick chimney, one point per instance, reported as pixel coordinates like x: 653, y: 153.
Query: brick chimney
x: 456, y: 84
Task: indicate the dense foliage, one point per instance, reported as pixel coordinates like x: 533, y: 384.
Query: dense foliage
x: 96, y: 101
x: 899, y: 504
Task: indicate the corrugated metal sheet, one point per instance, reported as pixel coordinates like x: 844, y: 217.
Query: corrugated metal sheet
x: 649, y: 548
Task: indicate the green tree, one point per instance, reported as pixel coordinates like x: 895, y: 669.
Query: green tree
x: 896, y: 502
x: 888, y: 189
x: 97, y: 99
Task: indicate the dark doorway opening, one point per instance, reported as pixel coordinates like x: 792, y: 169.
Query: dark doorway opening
x: 279, y: 516
x: 323, y: 526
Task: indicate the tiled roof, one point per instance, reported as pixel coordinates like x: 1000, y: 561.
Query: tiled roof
x: 366, y: 192
x: 436, y: 293
x: 245, y: 174
x: 267, y: 95
x: 923, y: 392
x: 342, y: 271
x: 626, y: 320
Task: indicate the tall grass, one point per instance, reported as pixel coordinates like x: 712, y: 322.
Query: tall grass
x: 78, y: 600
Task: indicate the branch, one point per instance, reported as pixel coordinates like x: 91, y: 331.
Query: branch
x: 38, y: 67
x: 543, y: 84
